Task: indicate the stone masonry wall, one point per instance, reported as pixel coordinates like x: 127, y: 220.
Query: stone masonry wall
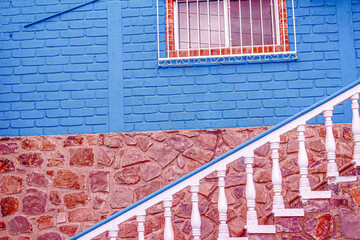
x: 52, y: 187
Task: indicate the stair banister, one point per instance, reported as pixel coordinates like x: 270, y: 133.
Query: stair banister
x: 214, y: 165
x: 356, y: 128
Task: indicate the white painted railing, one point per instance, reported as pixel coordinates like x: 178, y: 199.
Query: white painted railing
x: 246, y: 150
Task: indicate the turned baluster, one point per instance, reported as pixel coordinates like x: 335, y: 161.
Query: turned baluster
x: 332, y: 170
x: 303, y: 161
x: 195, y: 213
x: 222, y: 204
x: 113, y: 232
x: 250, y: 192
x: 140, y: 218
x: 276, y: 174
x: 168, y: 230
x: 356, y: 128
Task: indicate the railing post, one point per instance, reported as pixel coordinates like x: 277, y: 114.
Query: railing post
x: 279, y: 209
x: 113, y: 232
x: 251, y: 217
x: 195, y: 213
x: 304, y: 188
x: 332, y: 170
x: 356, y: 128
x: 303, y: 161
x: 222, y: 204
x: 168, y: 230
x: 276, y: 174
x: 140, y: 218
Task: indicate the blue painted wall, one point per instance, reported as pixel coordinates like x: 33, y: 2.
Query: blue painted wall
x: 56, y: 77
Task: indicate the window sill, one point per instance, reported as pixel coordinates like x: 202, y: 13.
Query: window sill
x: 228, y: 59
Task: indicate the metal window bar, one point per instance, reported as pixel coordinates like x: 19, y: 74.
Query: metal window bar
x: 262, y: 28
x: 209, y: 26
x: 278, y: 27
x: 219, y: 20
x: 240, y: 28
x: 251, y: 28
x: 272, y: 24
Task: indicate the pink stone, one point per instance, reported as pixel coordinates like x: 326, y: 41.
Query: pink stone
x: 181, y: 161
x: 55, y: 197
x: 129, y: 175
x: 263, y: 150
x: 37, y: 179
x: 99, y: 181
x: 343, y: 150
x: 68, y: 179
x: 143, y: 142
x: 30, y: 144
x: 207, y: 141
x: 73, y: 140
x: 347, y: 133
x: 262, y: 176
x: 199, y: 154
x: 6, y: 165
x: 73, y: 200
x: 350, y: 224
x: 55, y: 159
x: 98, y: 202
x: 154, y: 223
x: 288, y: 224
x: 238, y: 192
x: 292, y: 146
x: 106, y: 157
x: 69, y: 229
x: 48, y: 145
x: 2, y: 226
x: 114, y: 142
x: 317, y: 145
x: 45, y: 222
x: 179, y: 143
x: 80, y: 215
x: 221, y: 150
x: 81, y: 157
x: 11, y: 184
x: 235, y: 179
x: 171, y: 174
x: 31, y: 159
x: 150, y: 170
x: 9, y: 205
x: 159, y: 137
x: 355, y: 194
x: 34, y: 202
x: 19, y: 224
x: 234, y: 138
x: 146, y: 189
x: 320, y: 227
x: 130, y: 141
x: 50, y: 236
x: 315, y: 206
x: 128, y: 230
x: 133, y: 155
x: 121, y: 197
x: 7, y: 148
x: 162, y: 154
x: 207, y: 227
x: 237, y: 226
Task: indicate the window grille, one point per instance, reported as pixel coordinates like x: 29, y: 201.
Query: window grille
x: 216, y: 31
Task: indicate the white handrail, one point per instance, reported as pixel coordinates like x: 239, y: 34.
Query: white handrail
x: 217, y: 164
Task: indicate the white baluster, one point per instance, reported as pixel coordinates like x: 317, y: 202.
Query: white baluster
x: 140, y: 218
x: 276, y: 174
x: 168, y: 230
x: 250, y: 192
x: 305, y: 189
x: 195, y: 213
x: 222, y: 204
x: 356, y: 128
x: 113, y: 232
x: 303, y: 161
x: 332, y: 170
x: 279, y: 209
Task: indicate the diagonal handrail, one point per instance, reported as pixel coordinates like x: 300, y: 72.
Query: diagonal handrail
x: 284, y: 126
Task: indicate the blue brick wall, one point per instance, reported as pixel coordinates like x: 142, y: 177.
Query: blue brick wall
x: 229, y: 95
x: 54, y: 75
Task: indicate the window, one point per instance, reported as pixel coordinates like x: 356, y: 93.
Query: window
x: 206, y: 28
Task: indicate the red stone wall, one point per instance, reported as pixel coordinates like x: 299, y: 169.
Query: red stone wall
x: 52, y: 187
